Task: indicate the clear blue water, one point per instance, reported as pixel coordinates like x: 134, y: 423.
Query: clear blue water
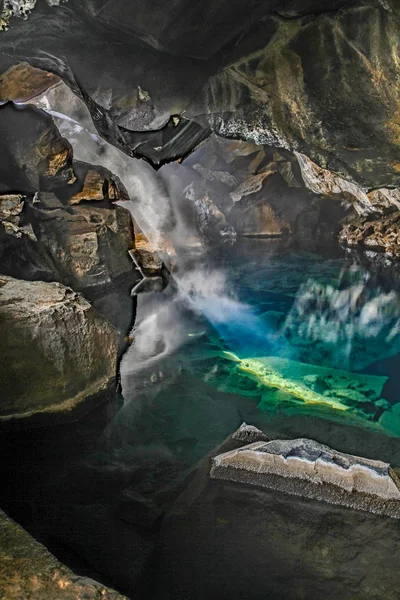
x: 325, y: 324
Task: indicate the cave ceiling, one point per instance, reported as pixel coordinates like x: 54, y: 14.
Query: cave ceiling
x: 317, y: 77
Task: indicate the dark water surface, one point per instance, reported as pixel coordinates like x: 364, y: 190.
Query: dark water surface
x: 296, y: 343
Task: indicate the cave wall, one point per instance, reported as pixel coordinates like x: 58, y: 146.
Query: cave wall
x: 322, y: 80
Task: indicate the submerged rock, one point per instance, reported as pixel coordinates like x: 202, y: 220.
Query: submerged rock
x: 61, y: 353
x: 28, y: 570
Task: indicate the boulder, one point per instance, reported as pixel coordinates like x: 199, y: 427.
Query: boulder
x: 88, y: 244
x: 257, y: 542
x: 60, y: 352
x: 307, y: 468
x: 28, y: 570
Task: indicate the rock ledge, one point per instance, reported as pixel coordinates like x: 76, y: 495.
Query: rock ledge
x: 307, y: 468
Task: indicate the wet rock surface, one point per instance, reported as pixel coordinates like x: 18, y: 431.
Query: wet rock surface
x: 61, y: 352
x: 306, y: 468
x: 285, y: 546
x: 380, y: 234
x: 28, y: 570
x: 256, y: 77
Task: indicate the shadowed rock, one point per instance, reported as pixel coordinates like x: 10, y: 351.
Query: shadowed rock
x: 28, y: 570
x: 60, y: 351
x: 34, y: 155
x: 87, y: 244
x: 302, y: 77
x: 285, y: 545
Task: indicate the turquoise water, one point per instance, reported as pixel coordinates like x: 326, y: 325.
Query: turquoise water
x: 299, y: 344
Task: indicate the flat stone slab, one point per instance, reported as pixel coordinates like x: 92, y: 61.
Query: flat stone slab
x: 304, y: 467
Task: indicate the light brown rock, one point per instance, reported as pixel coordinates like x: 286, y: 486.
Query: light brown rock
x: 28, y: 570
x: 57, y: 351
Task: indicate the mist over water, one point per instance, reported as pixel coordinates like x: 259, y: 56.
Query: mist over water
x: 238, y: 324
x: 292, y: 305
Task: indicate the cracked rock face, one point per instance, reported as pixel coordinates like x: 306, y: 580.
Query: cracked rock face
x: 302, y: 76
x: 306, y: 468
x: 377, y: 235
x: 87, y: 244
x: 60, y: 351
x: 34, y: 155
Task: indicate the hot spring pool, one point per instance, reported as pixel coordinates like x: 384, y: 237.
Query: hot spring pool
x: 296, y: 343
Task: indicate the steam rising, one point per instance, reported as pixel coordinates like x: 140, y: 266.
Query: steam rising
x: 149, y: 203
x: 238, y: 324
x: 326, y: 324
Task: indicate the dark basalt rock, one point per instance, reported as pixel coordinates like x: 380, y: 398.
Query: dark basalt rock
x: 34, y: 155
x: 252, y: 73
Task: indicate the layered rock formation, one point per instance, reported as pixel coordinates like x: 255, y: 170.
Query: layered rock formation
x: 61, y: 352
x: 63, y: 224
x: 305, y: 468
x: 28, y: 570
x: 286, y: 546
x: 87, y: 244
